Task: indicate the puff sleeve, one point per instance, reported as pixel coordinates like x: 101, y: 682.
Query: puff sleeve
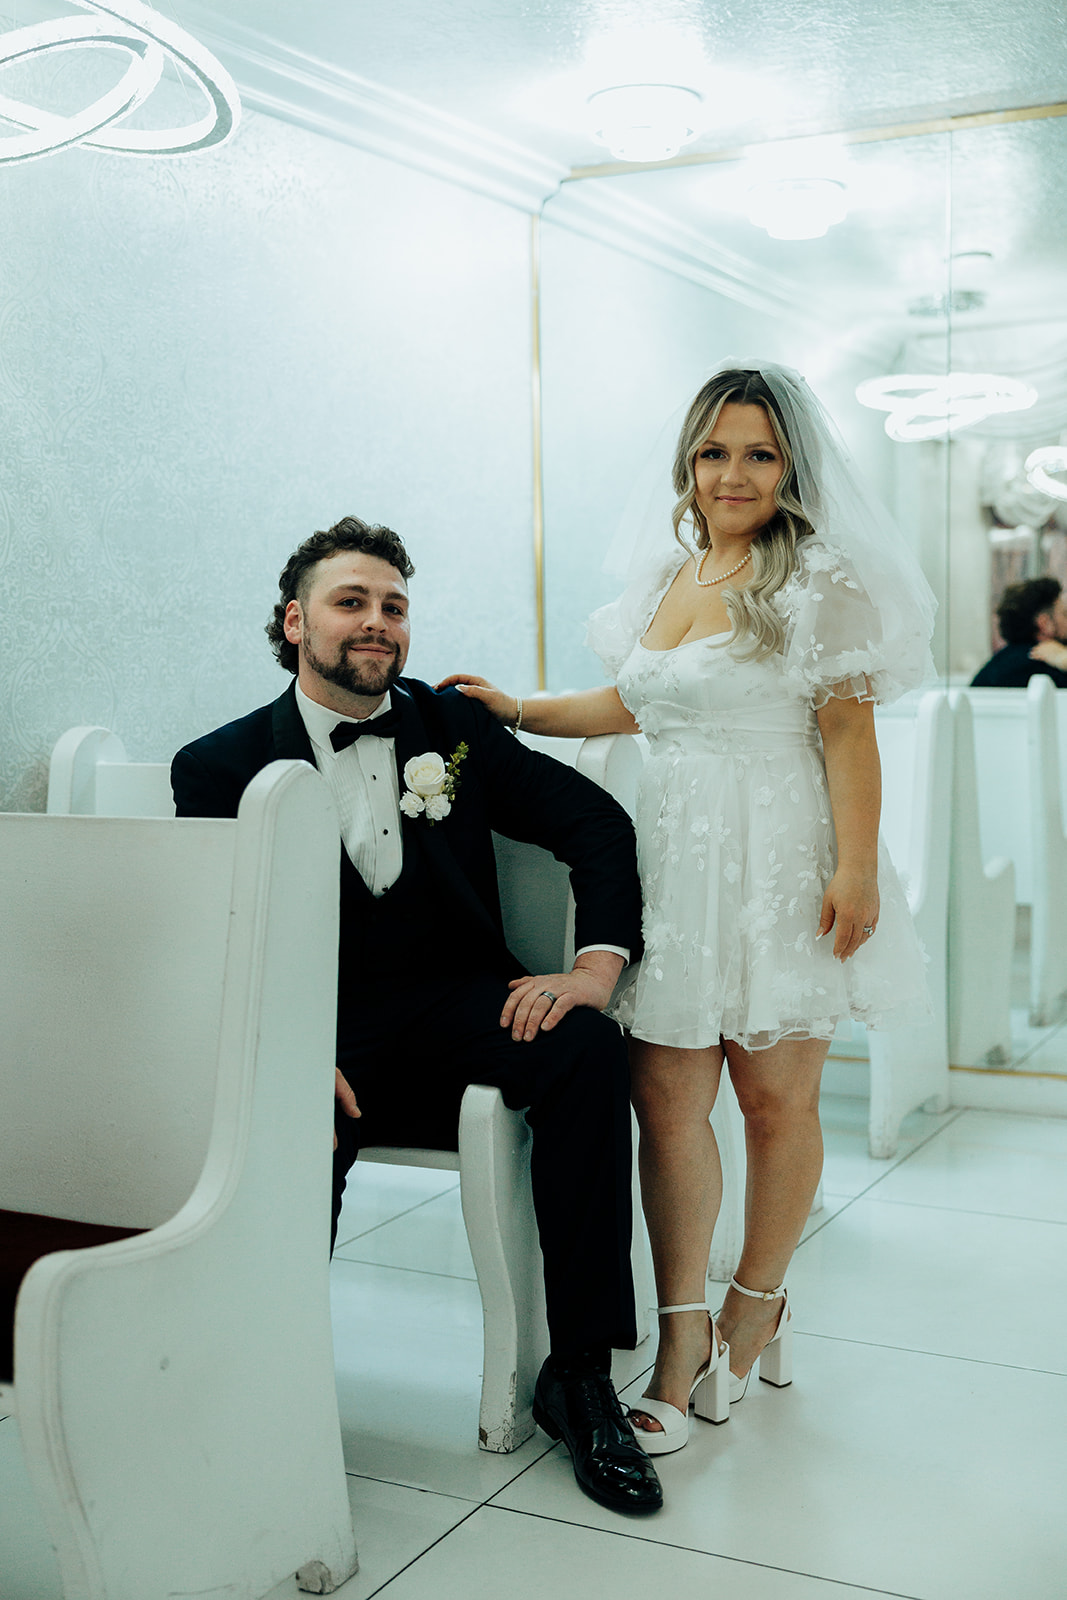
x: 842, y: 640
x: 614, y: 629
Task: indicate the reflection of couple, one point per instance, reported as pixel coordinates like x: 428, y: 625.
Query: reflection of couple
x: 751, y: 666
x: 1032, y: 617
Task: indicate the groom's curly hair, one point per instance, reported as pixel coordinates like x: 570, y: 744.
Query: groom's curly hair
x: 1020, y: 606
x: 351, y: 533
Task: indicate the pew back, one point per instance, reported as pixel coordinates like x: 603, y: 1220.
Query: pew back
x: 112, y: 956
x: 89, y: 775
x: 172, y: 996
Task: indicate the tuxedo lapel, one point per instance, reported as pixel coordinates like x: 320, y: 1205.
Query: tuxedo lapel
x: 291, y: 741
x: 413, y: 738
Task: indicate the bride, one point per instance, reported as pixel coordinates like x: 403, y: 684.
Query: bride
x: 752, y: 664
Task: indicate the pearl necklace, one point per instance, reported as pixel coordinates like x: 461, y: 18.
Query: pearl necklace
x: 708, y: 583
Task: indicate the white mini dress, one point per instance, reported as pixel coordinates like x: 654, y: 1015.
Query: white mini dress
x: 734, y: 829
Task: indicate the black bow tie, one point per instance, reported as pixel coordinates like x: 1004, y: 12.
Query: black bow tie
x: 383, y: 727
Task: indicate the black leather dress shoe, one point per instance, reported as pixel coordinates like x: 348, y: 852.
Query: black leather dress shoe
x: 582, y: 1409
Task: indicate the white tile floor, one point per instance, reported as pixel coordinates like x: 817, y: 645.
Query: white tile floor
x: 920, y: 1451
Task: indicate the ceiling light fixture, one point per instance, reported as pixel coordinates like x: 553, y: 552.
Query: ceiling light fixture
x: 642, y: 122
x: 796, y: 188
x: 928, y: 406
x: 797, y: 208
x: 1040, y: 463
x: 150, y: 40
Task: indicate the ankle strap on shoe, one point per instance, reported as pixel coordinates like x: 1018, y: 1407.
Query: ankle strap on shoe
x: 756, y: 1294
x: 694, y: 1305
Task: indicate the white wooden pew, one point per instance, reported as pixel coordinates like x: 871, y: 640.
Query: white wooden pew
x: 981, y: 918
x: 909, y: 1066
x: 168, y: 1030
x: 1020, y: 750
x: 89, y: 775
x: 493, y: 1156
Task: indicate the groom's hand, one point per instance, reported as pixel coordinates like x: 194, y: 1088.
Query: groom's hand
x: 542, y: 1002
x: 342, y: 1091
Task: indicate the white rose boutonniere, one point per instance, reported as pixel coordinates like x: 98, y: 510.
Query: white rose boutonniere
x: 431, y: 784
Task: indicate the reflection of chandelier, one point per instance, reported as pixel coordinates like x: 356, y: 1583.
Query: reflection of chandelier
x: 150, y: 40
x: 926, y: 406
x: 645, y: 121
x: 797, y: 208
x: 1040, y: 463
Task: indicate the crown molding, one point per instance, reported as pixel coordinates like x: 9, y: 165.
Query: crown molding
x: 314, y: 94
x: 600, y: 212
x: 294, y: 87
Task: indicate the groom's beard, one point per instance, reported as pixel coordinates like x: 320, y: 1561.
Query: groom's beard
x: 363, y: 675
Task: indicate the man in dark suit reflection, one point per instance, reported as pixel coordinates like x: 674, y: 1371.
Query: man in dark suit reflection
x: 429, y: 997
x: 1032, y: 618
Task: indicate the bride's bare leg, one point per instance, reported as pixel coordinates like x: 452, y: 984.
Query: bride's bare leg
x: 681, y: 1189
x: 778, y: 1092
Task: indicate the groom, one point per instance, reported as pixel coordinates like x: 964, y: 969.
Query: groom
x: 429, y: 997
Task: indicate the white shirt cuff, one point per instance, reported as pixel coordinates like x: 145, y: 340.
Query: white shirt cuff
x: 613, y: 949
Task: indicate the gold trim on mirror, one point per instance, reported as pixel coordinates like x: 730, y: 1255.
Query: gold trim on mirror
x: 538, y: 476
x: 900, y: 130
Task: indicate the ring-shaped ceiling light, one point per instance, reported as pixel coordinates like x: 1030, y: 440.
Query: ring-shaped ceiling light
x: 929, y: 406
x: 150, y: 39
x: 1040, y: 463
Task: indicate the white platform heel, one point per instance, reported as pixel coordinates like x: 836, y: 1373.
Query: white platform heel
x: 709, y: 1397
x: 775, y: 1360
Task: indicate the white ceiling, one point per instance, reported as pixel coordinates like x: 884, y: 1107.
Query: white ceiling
x: 492, y: 93
x: 771, y: 68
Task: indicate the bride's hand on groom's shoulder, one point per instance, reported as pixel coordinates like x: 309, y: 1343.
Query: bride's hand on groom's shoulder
x: 505, y: 707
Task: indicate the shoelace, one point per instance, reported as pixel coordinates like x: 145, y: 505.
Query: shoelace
x: 600, y: 1400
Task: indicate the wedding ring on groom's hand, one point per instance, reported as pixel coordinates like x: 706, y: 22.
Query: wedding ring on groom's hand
x: 549, y: 995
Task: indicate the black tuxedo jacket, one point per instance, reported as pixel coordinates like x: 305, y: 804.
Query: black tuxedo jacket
x: 1012, y: 668
x: 502, y: 786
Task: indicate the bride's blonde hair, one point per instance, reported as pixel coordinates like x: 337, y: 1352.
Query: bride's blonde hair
x: 757, y: 627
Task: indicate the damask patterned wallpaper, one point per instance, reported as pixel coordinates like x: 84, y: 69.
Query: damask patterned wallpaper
x: 204, y: 360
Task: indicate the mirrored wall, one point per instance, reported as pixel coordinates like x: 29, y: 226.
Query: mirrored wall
x: 952, y: 257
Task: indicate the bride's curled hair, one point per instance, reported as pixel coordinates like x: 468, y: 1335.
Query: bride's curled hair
x: 757, y: 628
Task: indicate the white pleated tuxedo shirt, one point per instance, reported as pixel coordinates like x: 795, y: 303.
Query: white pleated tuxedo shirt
x: 366, y: 791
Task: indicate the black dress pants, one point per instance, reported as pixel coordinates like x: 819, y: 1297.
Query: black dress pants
x: 410, y: 1049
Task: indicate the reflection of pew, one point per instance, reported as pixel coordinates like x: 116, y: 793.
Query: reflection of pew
x: 1002, y: 780
x: 1048, y: 924
x: 167, y: 998
x: 909, y: 1066
x: 1018, y: 735
x: 981, y: 919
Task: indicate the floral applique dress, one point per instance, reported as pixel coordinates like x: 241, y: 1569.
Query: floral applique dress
x: 734, y: 828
